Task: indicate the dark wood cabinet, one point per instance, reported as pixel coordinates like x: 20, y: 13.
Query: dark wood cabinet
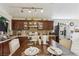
x: 48, y: 25
x: 13, y: 24
x: 0, y: 49
x: 25, y: 24
x: 23, y: 40
x: 23, y: 44
x: 4, y: 49
x: 16, y: 25
x: 19, y: 24
x: 45, y: 25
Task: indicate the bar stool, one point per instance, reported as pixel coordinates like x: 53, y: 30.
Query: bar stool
x: 66, y: 43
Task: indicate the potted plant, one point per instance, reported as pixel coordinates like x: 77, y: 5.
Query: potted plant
x: 3, y: 24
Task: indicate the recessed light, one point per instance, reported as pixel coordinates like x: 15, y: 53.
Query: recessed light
x: 42, y: 11
x: 29, y: 11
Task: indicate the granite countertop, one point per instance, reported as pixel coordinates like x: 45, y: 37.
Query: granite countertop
x: 66, y: 52
x: 10, y: 38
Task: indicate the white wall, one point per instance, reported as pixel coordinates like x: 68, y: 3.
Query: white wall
x: 67, y: 22
x: 65, y: 11
x: 6, y: 15
x: 73, y: 36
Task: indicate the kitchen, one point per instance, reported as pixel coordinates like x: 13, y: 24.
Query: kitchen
x: 29, y: 30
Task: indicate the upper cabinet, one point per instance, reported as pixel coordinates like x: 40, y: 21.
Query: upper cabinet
x: 26, y: 25
x: 48, y: 25
x: 45, y: 25
x: 19, y: 24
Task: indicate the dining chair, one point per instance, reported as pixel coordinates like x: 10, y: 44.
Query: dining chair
x: 44, y: 39
x: 14, y: 45
x: 66, y: 43
x: 34, y: 39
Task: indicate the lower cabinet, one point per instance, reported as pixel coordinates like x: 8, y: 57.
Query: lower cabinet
x: 4, y: 49
x: 23, y: 44
x: 23, y: 40
x: 0, y: 49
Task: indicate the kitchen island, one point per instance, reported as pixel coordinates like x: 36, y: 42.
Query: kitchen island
x: 43, y: 50
x: 24, y: 44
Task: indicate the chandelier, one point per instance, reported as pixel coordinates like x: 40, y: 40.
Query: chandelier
x: 31, y: 8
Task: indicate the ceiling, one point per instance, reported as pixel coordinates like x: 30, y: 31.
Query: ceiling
x: 51, y: 10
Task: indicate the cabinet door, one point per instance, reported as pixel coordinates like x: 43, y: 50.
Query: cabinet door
x: 19, y: 24
x: 23, y: 40
x: 16, y: 24
x: 13, y: 24
x: 6, y: 49
x: 48, y: 25
x: 0, y: 49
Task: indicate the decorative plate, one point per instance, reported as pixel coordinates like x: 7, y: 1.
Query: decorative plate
x: 54, y: 50
x: 31, y: 51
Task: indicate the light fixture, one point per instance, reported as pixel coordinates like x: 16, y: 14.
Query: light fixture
x: 29, y: 11
x: 31, y: 8
x: 41, y: 10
